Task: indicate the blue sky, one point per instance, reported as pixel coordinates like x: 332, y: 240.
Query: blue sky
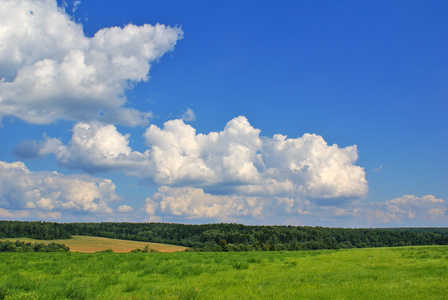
x: 317, y: 113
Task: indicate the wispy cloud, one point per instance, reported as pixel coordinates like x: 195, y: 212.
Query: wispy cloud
x: 75, y: 5
x: 188, y: 115
x: 378, y: 169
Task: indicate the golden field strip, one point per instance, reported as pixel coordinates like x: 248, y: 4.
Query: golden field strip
x: 90, y: 244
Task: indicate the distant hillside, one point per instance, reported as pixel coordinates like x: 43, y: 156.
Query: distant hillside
x: 233, y: 237
x: 88, y: 244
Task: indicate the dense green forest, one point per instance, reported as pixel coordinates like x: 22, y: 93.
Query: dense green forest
x: 20, y: 246
x: 33, y: 230
x: 233, y: 237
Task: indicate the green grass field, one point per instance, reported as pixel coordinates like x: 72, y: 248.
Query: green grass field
x: 379, y: 273
x: 89, y: 244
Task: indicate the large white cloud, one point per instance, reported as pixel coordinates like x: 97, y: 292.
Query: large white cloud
x: 239, y: 160
x: 95, y: 147
x: 179, y: 203
x: 236, y: 161
x: 183, y: 157
x: 50, y: 70
x: 22, y: 190
x: 193, y: 203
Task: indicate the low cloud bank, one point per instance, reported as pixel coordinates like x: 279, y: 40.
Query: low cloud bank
x: 25, y: 193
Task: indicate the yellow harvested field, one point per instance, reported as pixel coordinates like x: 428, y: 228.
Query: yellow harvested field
x: 90, y: 244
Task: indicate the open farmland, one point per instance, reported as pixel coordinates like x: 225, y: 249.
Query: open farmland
x: 379, y: 273
x: 89, y: 244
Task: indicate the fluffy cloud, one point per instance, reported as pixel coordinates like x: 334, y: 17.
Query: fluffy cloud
x: 33, y: 149
x: 238, y: 160
x: 8, y: 214
x: 125, y: 209
x: 50, y: 70
x: 48, y: 193
x: 183, y: 157
x: 220, y: 174
x: 93, y: 148
x: 97, y: 148
x: 193, y: 203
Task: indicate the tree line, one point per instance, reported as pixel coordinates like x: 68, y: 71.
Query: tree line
x: 34, y: 230
x: 21, y: 246
x: 233, y: 237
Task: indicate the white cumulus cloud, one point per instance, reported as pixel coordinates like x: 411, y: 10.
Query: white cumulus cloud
x: 183, y: 157
x: 94, y: 147
x: 125, y: 209
x: 188, y: 202
x: 50, y: 192
x: 49, y: 70
x: 236, y: 160
x: 241, y: 161
x: 221, y: 169
x: 97, y: 147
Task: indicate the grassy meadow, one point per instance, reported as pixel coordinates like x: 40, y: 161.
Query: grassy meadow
x: 89, y: 244
x: 378, y: 273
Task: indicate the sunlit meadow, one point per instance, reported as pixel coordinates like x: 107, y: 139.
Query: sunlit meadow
x: 380, y: 273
